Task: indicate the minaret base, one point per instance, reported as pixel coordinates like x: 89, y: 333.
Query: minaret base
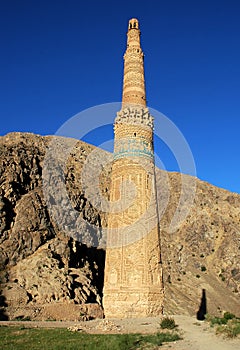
x: 133, y: 279
x: 133, y: 304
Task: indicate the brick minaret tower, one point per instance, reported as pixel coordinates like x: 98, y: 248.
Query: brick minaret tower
x: 133, y: 273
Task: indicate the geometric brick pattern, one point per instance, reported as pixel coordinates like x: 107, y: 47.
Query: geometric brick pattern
x: 133, y: 284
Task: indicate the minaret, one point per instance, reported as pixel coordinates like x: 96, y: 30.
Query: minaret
x: 133, y: 284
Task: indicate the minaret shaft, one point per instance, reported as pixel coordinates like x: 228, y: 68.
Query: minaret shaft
x: 133, y: 272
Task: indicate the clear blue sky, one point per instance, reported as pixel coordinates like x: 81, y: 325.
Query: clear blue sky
x: 60, y: 57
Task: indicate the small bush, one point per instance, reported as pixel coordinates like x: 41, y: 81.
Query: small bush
x: 228, y: 325
x: 203, y: 268
x: 218, y: 320
x: 22, y: 318
x: 159, y: 338
x: 230, y: 330
x: 228, y: 316
x: 168, y: 323
x: 222, y: 277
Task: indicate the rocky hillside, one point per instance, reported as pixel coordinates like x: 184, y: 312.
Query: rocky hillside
x: 53, y: 226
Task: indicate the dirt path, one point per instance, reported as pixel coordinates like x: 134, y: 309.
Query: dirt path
x: 199, y: 336
x: 196, y: 335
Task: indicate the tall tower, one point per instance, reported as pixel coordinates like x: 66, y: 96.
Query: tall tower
x: 133, y: 273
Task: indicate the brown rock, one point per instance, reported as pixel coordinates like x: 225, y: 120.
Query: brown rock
x: 43, y: 266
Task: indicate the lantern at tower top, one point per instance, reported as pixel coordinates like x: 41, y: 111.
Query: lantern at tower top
x: 133, y: 24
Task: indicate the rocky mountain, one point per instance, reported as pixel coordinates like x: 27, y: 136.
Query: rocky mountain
x: 53, y: 219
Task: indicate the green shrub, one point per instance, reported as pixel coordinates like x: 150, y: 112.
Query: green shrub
x: 218, y: 320
x: 231, y: 330
x: 22, y: 318
x: 222, y: 277
x: 159, y: 338
x: 228, y: 325
x: 168, y: 323
x: 213, y: 320
x: 228, y: 316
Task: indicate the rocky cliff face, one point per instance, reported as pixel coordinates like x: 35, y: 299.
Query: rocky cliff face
x: 52, y: 240
x: 204, y: 252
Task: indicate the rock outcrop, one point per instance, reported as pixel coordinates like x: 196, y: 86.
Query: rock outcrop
x: 52, y: 233
x: 41, y: 264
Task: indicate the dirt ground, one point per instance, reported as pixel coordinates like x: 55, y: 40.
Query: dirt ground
x: 196, y: 335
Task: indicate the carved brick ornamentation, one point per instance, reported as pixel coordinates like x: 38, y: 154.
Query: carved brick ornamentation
x: 133, y: 285
x: 134, y: 115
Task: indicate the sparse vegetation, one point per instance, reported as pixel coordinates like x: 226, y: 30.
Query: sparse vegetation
x: 203, y: 268
x: 229, y: 316
x: 230, y: 330
x: 222, y: 277
x: 35, y: 339
x: 215, y: 320
x: 51, y: 319
x: 228, y: 325
x: 22, y: 318
x: 168, y: 323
